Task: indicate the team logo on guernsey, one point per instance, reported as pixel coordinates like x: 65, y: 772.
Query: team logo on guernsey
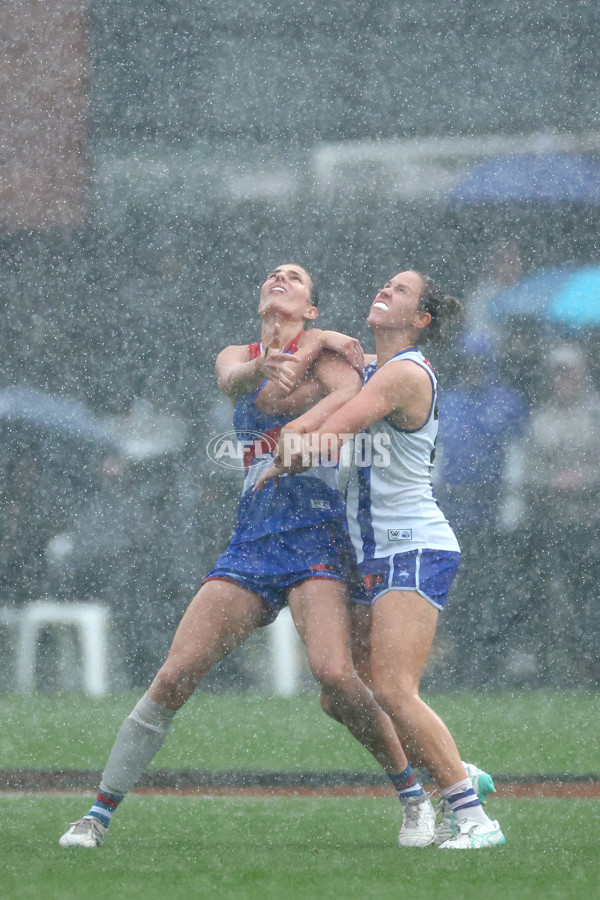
x: 320, y: 504
x: 228, y: 451
x: 399, y: 534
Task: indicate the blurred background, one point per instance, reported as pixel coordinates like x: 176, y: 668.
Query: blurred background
x: 158, y: 157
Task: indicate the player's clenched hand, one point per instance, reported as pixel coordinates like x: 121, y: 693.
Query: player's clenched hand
x: 278, y: 366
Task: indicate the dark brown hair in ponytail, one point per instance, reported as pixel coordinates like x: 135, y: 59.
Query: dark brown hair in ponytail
x: 445, y: 311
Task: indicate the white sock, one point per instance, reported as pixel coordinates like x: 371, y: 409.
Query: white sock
x: 141, y: 736
x: 465, y: 804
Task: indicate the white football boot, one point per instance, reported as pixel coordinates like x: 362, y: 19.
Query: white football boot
x: 88, y: 832
x: 418, y: 822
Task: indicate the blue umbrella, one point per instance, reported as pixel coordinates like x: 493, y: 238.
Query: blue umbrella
x: 566, y: 295
x: 577, y: 303
x: 554, y: 177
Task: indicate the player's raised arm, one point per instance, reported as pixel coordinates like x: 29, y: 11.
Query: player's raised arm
x: 238, y: 374
x: 400, y: 390
x: 347, y: 347
x: 340, y: 384
x: 309, y: 387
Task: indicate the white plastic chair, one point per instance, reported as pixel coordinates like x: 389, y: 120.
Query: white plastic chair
x: 91, y: 621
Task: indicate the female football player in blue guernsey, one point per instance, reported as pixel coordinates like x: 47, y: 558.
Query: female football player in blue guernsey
x: 406, y: 550
x: 290, y: 546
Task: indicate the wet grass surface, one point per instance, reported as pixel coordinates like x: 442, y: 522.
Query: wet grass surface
x: 174, y: 848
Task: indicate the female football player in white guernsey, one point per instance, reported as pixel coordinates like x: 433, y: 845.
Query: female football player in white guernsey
x: 406, y: 550
x: 290, y: 546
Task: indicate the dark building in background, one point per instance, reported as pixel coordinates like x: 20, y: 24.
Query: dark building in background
x: 131, y: 284
x: 288, y: 72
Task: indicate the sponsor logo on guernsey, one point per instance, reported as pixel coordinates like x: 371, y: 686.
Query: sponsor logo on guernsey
x: 320, y: 504
x: 399, y: 534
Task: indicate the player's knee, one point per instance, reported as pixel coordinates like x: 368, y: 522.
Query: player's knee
x: 391, y: 695
x: 384, y: 699
x: 174, y: 683
x: 335, y: 679
x: 329, y: 708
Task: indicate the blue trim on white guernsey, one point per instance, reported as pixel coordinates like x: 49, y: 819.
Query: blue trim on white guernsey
x: 363, y: 514
x: 392, y: 509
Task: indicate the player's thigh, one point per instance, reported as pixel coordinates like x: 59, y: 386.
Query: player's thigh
x: 360, y: 629
x: 402, y: 632
x: 219, y: 618
x: 320, y: 612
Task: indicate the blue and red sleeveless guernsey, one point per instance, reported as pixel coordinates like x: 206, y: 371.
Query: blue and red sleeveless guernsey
x: 298, y: 502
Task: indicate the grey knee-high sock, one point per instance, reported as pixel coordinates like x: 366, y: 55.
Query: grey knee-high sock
x: 141, y: 736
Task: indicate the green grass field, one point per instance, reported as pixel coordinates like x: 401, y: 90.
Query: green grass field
x: 175, y: 847
x: 519, y: 733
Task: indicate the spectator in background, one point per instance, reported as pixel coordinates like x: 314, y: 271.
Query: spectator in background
x: 481, y: 326
x: 590, y: 341
x: 48, y: 468
x: 559, y: 483
x: 525, y: 343
x: 482, y: 417
x: 504, y: 267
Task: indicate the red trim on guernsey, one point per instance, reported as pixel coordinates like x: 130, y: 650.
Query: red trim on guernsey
x: 254, y: 348
x: 293, y: 344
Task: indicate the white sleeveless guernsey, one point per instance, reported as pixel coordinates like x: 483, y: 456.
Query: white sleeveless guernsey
x: 391, y: 508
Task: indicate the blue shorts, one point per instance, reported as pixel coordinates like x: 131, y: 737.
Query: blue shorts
x: 270, y: 565
x: 429, y: 572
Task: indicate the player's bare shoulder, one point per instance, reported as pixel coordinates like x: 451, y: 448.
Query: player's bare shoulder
x: 234, y: 353
x: 411, y: 386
